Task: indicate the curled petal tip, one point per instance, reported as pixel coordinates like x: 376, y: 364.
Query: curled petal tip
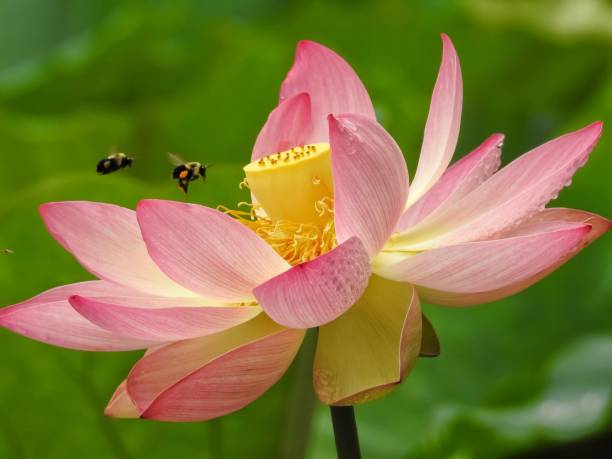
x: 597, y: 126
x: 607, y: 226
x: 42, y: 207
x: 121, y: 405
x: 497, y: 138
x: 442, y: 126
x: 46, y: 208
x: 74, y: 298
x: 334, y: 123
x: 306, y: 43
x: 145, y: 203
x: 446, y: 40
x: 111, y: 412
x: 335, y: 120
x: 333, y: 85
x: 289, y: 124
x: 346, y: 121
x: 593, y: 130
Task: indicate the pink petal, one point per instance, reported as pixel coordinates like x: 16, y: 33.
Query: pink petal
x: 161, y: 319
x: 442, y: 127
x: 106, y: 240
x: 519, y: 190
x: 459, y: 179
x: 478, y: 272
x: 206, y: 250
x: 316, y: 292
x: 207, y: 377
x: 49, y: 318
x: 288, y: 125
x: 332, y: 84
x: 121, y: 405
x: 370, y: 180
x: 557, y: 216
x: 549, y: 218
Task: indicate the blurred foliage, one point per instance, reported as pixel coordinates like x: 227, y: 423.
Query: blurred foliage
x: 199, y: 78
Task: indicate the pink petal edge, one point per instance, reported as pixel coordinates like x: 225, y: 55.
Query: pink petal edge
x: 332, y: 84
x: 480, y: 272
x: 207, y: 251
x: 208, y: 377
x: 106, y: 240
x: 370, y: 180
x: 513, y: 194
x: 443, y: 121
x: 458, y: 180
x: 318, y: 291
x: 121, y: 405
x: 49, y: 318
x: 161, y: 324
x: 287, y: 126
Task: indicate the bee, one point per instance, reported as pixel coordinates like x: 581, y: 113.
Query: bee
x: 186, y: 172
x: 6, y: 251
x: 113, y: 163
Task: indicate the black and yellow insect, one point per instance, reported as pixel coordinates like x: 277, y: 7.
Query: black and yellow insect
x: 113, y: 163
x: 6, y: 251
x: 186, y: 172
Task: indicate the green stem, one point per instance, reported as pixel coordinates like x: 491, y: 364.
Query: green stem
x: 301, y: 401
x: 345, y: 432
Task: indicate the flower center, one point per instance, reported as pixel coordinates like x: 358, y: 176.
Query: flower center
x: 293, y: 204
x: 290, y: 183
x: 295, y: 242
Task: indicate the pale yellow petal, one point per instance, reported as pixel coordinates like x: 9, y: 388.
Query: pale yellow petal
x: 372, y: 347
x: 121, y: 405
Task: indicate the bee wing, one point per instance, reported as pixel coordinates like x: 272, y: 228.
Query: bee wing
x: 176, y: 159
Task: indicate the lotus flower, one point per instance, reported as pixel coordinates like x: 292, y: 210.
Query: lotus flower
x: 333, y: 239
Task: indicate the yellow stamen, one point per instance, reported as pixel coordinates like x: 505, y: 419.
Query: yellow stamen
x: 295, y: 242
x: 244, y: 184
x: 324, y: 205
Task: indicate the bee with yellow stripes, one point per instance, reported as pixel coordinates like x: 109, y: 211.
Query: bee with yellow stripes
x: 113, y: 163
x: 186, y: 172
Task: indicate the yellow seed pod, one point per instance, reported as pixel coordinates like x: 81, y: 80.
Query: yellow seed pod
x: 291, y: 188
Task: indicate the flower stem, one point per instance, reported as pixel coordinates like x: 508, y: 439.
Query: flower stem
x: 345, y: 432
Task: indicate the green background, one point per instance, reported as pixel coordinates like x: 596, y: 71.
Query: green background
x: 529, y: 376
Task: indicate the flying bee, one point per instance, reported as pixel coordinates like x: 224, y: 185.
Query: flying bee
x: 186, y: 172
x: 6, y: 251
x: 113, y: 163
